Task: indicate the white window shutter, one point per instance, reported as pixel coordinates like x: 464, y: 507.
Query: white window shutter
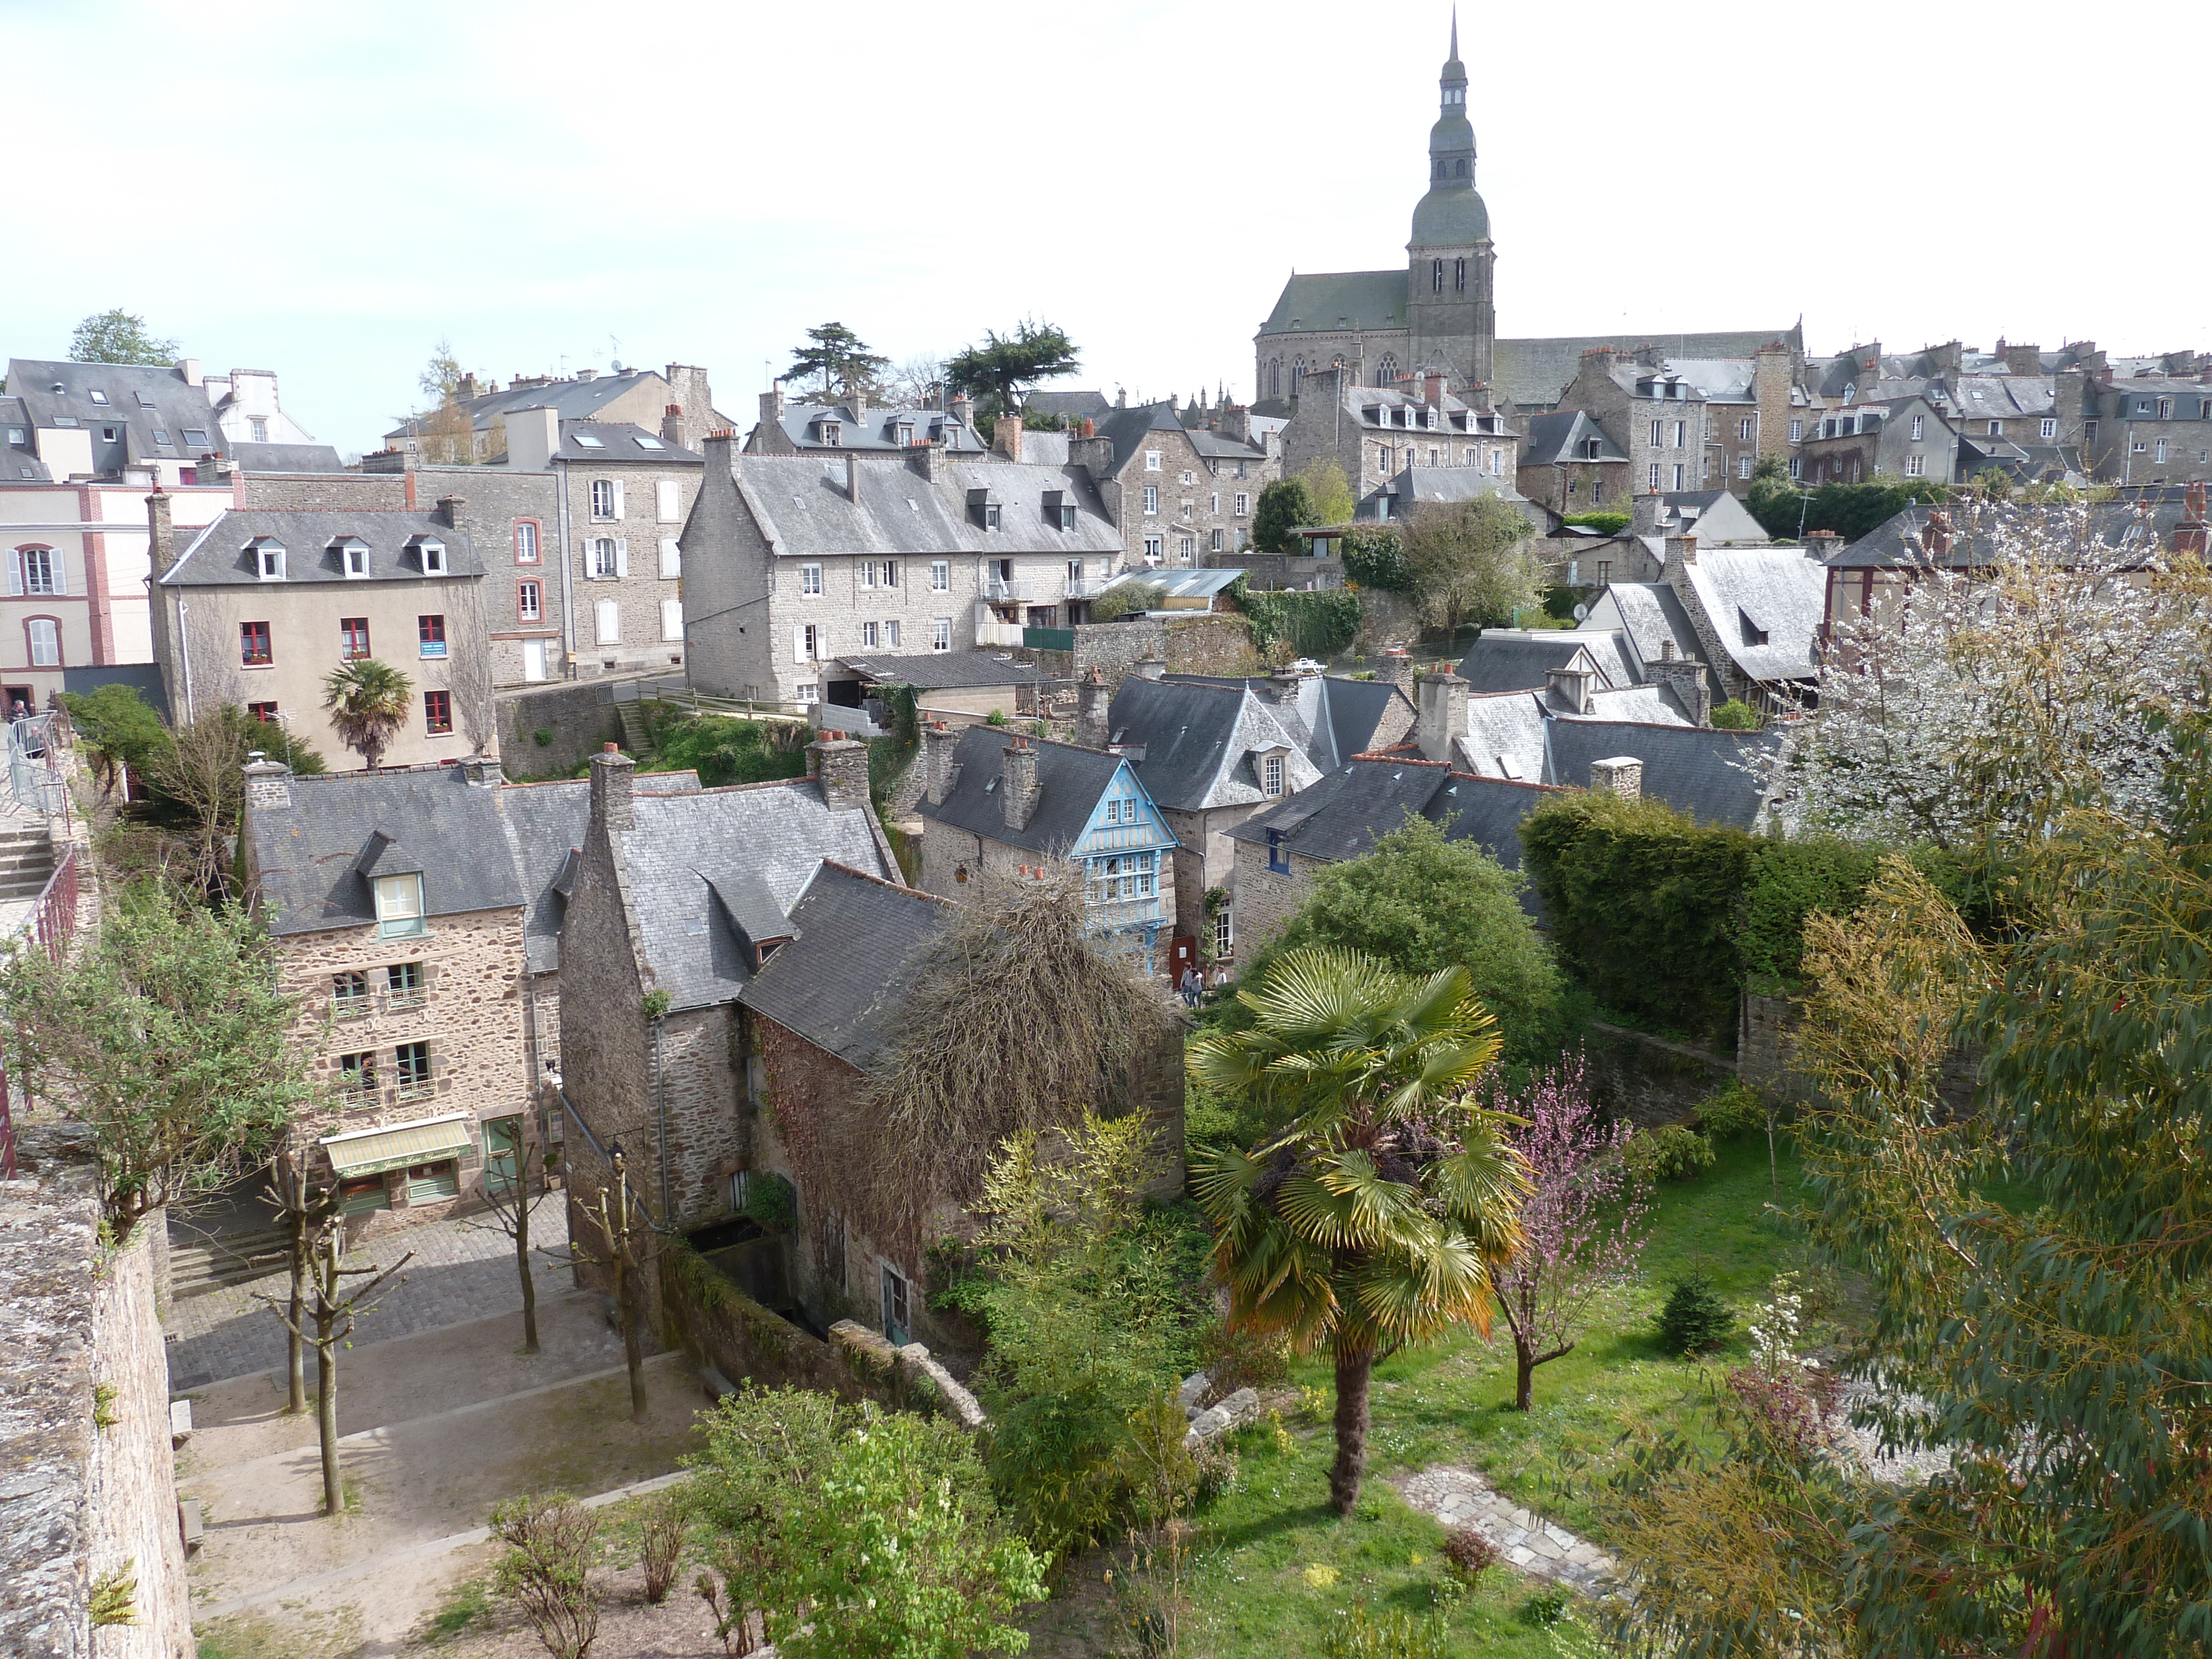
x: 672, y: 619
x: 608, y: 615
x: 671, y: 559
x: 668, y: 501
x: 15, y: 575
x: 61, y: 571
x: 799, y: 643
x: 621, y: 543
x: 618, y: 498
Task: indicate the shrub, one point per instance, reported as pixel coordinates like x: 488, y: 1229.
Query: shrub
x: 1318, y: 624
x: 771, y: 1203
x: 724, y: 749
x: 996, y: 717
x: 1217, y: 1473
x: 1605, y: 523
x: 1543, y: 1609
x: 1376, y: 558
x: 1235, y: 1358
x: 1694, y: 1318
x: 1735, y: 1110
x: 1737, y: 715
x: 1669, y: 1153
x: 550, y: 1544
x: 663, y: 1525
x: 1357, y: 1633
x: 542, y: 736
x: 1122, y: 598
x: 1468, y: 1554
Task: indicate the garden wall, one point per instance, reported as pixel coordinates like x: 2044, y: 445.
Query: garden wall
x: 576, y: 717
x: 1649, y: 1080
x: 1201, y: 644
x: 719, y: 1325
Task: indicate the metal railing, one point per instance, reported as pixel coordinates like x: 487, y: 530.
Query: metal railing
x: 54, y: 917
x: 32, y: 778
x: 998, y: 591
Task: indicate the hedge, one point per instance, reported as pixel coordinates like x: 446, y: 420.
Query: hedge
x: 1319, y: 624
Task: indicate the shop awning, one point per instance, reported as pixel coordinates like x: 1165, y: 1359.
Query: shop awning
x: 370, y: 1151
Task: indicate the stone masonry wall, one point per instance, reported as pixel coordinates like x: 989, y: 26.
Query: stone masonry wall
x: 575, y: 717
x: 133, y: 1495
x: 1263, y: 900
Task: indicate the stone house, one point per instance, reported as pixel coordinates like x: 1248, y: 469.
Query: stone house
x: 1376, y: 432
x: 2150, y: 426
x: 634, y: 396
x: 1213, y: 752
x: 1570, y: 464
x: 258, y: 607
x: 1756, y: 613
x: 416, y: 914
x: 791, y: 426
x: 999, y: 804
x: 1177, y: 493
x: 1906, y: 438
x: 684, y: 898
x: 1279, y: 850
x: 797, y: 560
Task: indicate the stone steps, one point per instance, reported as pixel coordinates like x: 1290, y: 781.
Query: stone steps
x: 227, y: 1258
x: 635, y: 739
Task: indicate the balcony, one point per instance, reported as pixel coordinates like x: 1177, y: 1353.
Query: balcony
x: 1086, y: 587
x: 996, y: 590
x: 998, y: 633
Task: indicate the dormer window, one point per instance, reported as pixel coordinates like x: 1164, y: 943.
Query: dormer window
x: 1270, y: 774
x: 982, y: 510
x: 432, y: 556
x: 1059, y: 511
x: 400, y: 907
x: 353, y: 559
x: 269, y: 560
x: 831, y: 432
x: 905, y: 433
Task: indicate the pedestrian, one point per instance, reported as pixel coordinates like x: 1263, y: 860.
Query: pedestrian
x: 1189, y: 988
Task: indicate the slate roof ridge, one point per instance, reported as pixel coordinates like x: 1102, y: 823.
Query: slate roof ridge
x: 867, y: 875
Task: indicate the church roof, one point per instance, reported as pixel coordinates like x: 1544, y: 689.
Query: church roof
x: 1360, y: 299
x: 1450, y: 216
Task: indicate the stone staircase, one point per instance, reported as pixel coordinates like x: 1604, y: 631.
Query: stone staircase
x: 635, y: 737
x: 27, y: 856
x: 209, y: 1261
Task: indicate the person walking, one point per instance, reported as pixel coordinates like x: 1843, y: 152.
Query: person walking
x: 1189, y: 988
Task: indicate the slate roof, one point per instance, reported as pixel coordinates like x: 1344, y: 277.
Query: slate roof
x: 142, y: 401
x: 221, y: 554
x: 1778, y: 592
x: 1073, y: 405
x: 1334, y: 719
x: 286, y: 458
x: 1360, y: 299
x: 1416, y: 484
x: 1126, y: 429
x: 943, y: 670
x: 1070, y: 781
x: 1192, y: 744
x: 1647, y: 615
x: 880, y: 430
x: 1503, y: 737
x: 1346, y: 813
x: 545, y: 823
x: 693, y: 856
x: 2114, y: 529
x: 1718, y: 517
x: 575, y: 400
x: 1533, y: 373
x: 1694, y: 770
x: 801, y: 505
x: 621, y: 441
x: 841, y: 982
x: 1558, y: 438
x: 1516, y: 659
x: 19, y: 462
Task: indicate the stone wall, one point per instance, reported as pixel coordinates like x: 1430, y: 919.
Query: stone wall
x: 1266, y: 572
x: 81, y: 1501
x: 1213, y: 644
x: 719, y: 1325
x: 575, y: 717
x: 1648, y: 1080
x: 1262, y: 899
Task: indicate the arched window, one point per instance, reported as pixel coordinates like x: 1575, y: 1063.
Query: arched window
x: 1459, y: 276
x: 1386, y: 371
x: 36, y: 569
x: 1460, y: 167
x: 1297, y: 374
x: 1435, y: 275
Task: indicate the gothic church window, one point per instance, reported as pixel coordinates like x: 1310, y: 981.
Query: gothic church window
x: 1388, y: 371
x: 1459, y: 276
x: 1435, y: 275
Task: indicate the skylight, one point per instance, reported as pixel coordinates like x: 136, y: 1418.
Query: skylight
x: 145, y: 400
x: 194, y: 434
x: 100, y: 398
x: 588, y: 441
x: 644, y: 442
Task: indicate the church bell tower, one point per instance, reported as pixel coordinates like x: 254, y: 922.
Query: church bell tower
x: 1449, y: 303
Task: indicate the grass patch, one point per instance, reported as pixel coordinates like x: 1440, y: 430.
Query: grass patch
x: 469, y: 1601
x: 723, y: 749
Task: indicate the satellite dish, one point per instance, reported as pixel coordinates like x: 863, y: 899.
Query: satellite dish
x: 1582, y: 613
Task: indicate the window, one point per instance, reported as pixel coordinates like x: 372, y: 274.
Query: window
x: 1225, y: 934
x: 357, y: 1072
x: 1919, y: 421
x: 403, y: 985
x: 1996, y: 428
x: 349, y: 998
x: 1677, y: 474
x: 1437, y: 270
x: 896, y: 1301
x: 1151, y: 498
x: 992, y: 509
x: 1797, y: 466
x: 1270, y: 774
x: 1459, y: 266
x: 940, y: 634
x: 606, y: 558
x: 414, y: 1084
x: 867, y: 572
x: 2161, y: 449
x: 1382, y: 458
x: 437, y: 712
x: 268, y: 559
x: 2089, y: 432
x: 1217, y: 543
x: 891, y: 635
x: 1184, y: 512
x: 905, y: 433
x: 431, y: 631
x: 525, y: 541
x: 1155, y: 549
x: 603, y: 498
x: 400, y: 907
x: 1185, y: 548
x: 1743, y: 430
x: 805, y: 643
x: 869, y: 636
x: 41, y: 571
x: 529, y: 602
x: 1151, y: 460
x: 1681, y: 428
x: 2049, y: 428
x: 1132, y: 876
x: 810, y: 692
x: 260, y: 429
x: 1743, y: 467
x: 890, y: 570
x: 1277, y: 860
x: 667, y: 501
x: 1189, y: 478
x: 109, y: 435
x: 1244, y: 504
x: 2166, y: 409
x: 254, y: 650
x: 353, y: 638
x: 100, y: 398
x: 1214, y: 503
x: 672, y: 620
x: 1915, y: 466
x: 671, y: 560
x: 1796, y: 432
x: 263, y: 711
x: 809, y: 580
x: 1658, y: 432
x: 44, y: 637
x: 606, y: 622
x: 1654, y: 477
x: 940, y: 576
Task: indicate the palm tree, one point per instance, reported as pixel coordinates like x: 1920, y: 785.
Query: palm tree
x: 367, y: 700
x: 1373, y: 1218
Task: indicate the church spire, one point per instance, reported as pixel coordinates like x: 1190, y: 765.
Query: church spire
x: 1454, y: 49
x: 1451, y: 141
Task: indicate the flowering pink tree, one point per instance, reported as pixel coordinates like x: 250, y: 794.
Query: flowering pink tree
x: 1583, y: 1227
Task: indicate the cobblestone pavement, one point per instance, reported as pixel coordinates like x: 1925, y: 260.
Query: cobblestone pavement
x: 1460, y: 1498
x: 460, y: 1272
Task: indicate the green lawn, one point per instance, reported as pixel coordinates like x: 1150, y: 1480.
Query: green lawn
x: 1253, y: 1587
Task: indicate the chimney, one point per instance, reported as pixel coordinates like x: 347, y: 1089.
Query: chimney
x: 963, y: 409
x: 671, y: 425
x: 190, y: 368
x: 938, y: 740
x: 1396, y: 667
x: 1433, y: 388
x: 2020, y: 359
x: 1684, y: 548
x: 532, y: 435
x: 467, y: 388
x: 160, y: 538
x: 1935, y: 534
x: 1093, y: 697
x: 694, y: 398
x: 612, y: 775
x: 2190, y: 532
x: 771, y: 402
x: 1623, y: 776
x: 1283, y: 685
x: 858, y: 397
x: 1443, y: 714
x: 1231, y: 420
x: 483, y: 771
x: 1648, y: 515
x: 852, y: 478
x: 588, y: 374
x: 449, y: 510
x: 1006, y: 437
x: 1573, y: 685
x: 1153, y: 668
x: 923, y: 458
x: 1686, y: 677
x: 1017, y: 781
x: 1090, y: 427
x: 841, y: 766
x: 1599, y: 360
x: 268, y: 784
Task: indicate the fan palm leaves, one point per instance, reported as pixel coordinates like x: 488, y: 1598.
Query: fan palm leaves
x: 367, y: 700
x: 1372, y: 1219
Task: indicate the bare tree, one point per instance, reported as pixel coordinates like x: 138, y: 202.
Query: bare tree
x: 627, y: 1244
x: 469, y: 677
x: 333, y: 1314
x: 303, y: 1208
x: 914, y: 381
x: 510, y: 1195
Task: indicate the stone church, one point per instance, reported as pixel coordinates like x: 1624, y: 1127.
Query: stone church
x: 1437, y: 312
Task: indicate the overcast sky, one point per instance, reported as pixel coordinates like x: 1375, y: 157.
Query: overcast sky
x: 326, y: 191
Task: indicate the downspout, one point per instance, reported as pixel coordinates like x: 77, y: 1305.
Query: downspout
x: 568, y: 594
x: 660, y: 1116
x: 184, y: 656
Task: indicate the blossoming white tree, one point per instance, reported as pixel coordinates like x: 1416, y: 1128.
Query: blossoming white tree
x: 2034, y: 671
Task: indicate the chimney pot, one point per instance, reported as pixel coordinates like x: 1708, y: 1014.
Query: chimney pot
x: 1623, y: 776
x: 613, y: 779
x: 1018, y: 784
x: 840, y: 765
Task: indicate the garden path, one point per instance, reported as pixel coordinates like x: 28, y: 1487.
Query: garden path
x: 1460, y: 1496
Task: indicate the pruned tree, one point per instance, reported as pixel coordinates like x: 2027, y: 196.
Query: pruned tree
x: 1986, y: 704
x: 840, y: 357
x: 304, y: 1207
x: 119, y: 336
x: 1005, y: 366
x: 330, y: 1314
x: 513, y: 1182
x: 469, y: 677
x: 1470, y: 561
x: 367, y: 700
x: 1582, y: 1225
x: 627, y: 1246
